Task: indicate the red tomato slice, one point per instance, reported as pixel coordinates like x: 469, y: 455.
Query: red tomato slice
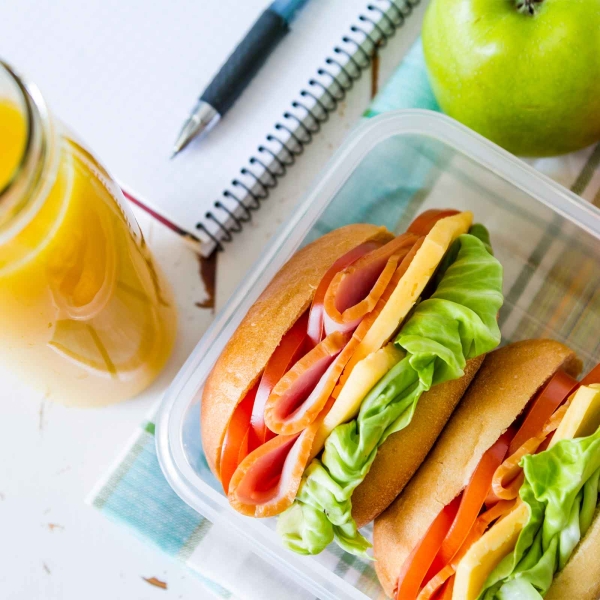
x: 244, y: 448
x: 556, y: 391
x: 418, y: 563
x: 424, y: 222
x: 235, y: 445
x: 315, y: 319
x: 592, y: 377
x: 290, y: 349
x: 438, y: 585
x: 473, y: 498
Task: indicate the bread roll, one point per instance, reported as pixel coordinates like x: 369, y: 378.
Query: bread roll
x: 404, y: 451
x: 581, y: 577
x: 283, y: 301
x: 507, y: 380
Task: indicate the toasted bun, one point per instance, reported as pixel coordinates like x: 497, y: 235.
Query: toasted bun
x: 403, y: 452
x: 286, y: 297
x: 507, y: 380
x: 581, y: 577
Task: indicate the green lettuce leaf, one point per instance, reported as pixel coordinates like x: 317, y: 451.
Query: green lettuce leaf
x: 456, y: 323
x: 561, y: 491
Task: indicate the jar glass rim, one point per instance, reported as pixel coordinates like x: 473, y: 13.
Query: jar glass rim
x: 21, y: 191
x: 27, y: 109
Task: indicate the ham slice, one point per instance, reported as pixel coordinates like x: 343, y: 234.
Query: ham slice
x: 355, y: 291
x: 315, y: 322
x: 266, y: 482
x: 424, y: 222
x: 300, y: 395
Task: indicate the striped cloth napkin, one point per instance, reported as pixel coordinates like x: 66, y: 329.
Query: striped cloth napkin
x: 136, y: 494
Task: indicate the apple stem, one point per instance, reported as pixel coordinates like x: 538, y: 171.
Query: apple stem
x: 527, y: 6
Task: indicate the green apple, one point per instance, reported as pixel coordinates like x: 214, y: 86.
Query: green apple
x: 523, y: 73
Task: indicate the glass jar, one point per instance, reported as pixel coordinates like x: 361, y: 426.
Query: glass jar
x: 85, y: 314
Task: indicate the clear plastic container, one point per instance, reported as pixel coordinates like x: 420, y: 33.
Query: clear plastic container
x: 389, y: 169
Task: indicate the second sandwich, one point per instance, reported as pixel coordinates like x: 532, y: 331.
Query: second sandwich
x: 505, y: 506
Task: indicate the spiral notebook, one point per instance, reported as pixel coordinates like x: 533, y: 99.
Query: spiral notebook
x: 124, y: 75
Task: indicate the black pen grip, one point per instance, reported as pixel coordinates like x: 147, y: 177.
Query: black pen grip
x: 245, y: 61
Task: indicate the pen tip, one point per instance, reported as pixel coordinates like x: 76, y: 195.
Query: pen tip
x: 182, y: 141
x: 202, y: 119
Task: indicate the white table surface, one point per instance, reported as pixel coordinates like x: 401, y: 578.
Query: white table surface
x: 53, y: 545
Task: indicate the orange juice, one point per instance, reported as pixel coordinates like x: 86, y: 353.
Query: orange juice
x: 85, y: 314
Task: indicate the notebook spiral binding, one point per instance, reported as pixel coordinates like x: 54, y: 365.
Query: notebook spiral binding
x: 375, y: 29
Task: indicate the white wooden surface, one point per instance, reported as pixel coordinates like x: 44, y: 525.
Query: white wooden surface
x: 52, y: 545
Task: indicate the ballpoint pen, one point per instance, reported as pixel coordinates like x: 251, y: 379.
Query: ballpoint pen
x: 241, y: 66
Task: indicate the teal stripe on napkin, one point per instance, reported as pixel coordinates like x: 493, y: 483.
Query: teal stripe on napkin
x: 137, y: 495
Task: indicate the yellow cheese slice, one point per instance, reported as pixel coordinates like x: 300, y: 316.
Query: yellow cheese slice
x: 487, y: 552
x: 582, y: 417
x: 363, y: 378
x: 410, y: 286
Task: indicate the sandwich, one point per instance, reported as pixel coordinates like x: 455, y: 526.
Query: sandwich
x: 362, y: 341
x: 505, y: 507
